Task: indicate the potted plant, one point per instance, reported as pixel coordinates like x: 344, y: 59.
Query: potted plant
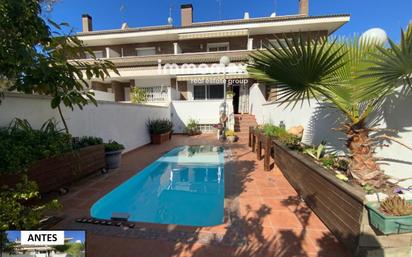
x: 192, y: 128
x: 392, y: 216
x: 230, y: 135
x: 230, y: 94
x: 48, y: 156
x: 113, y: 154
x: 160, y: 130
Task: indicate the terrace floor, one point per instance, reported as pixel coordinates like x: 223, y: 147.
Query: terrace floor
x: 263, y: 214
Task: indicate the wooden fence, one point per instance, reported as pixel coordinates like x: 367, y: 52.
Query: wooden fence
x: 339, y: 205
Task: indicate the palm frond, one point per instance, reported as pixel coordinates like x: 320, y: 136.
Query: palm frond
x: 304, y: 68
x: 300, y: 66
x: 392, y: 67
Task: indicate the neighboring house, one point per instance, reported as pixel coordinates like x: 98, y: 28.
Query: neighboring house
x: 36, y: 250
x: 179, y: 63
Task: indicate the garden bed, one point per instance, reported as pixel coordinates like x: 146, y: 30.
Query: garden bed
x: 53, y: 173
x: 339, y: 205
x: 158, y: 139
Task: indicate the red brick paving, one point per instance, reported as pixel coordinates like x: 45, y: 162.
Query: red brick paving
x: 267, y: 210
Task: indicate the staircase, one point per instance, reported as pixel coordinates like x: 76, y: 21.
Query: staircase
x: 242, y: 124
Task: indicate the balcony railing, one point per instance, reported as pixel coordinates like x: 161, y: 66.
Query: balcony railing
x: 156, y: 94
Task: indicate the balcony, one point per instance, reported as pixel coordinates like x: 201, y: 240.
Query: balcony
x: 156, y: 94
x: 203, y: 57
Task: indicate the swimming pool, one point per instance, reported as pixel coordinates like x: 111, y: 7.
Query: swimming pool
x: 184, y: 187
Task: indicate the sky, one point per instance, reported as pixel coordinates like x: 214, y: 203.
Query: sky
x: 12, y: 235
x: 390, y: 15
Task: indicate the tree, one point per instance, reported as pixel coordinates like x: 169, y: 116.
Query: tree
x: 17, y: 208
x: 5, y: 245
x: 75, y: 249
x: 138, y: 95
x: 353, y: 76
x: 36, y: 59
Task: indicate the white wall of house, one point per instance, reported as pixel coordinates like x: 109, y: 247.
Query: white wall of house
x: 204, y: 112
x: 153, y: 82
x: 256, y: 100
x: 103, y: 96
x: 125, y: 123
x: 319, y: 121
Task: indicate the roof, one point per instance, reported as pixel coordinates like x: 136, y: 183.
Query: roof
x: 214, y: 23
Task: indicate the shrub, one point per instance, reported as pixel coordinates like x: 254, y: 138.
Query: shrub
x: 280, y: 134
x: 342, y: 164
x: 159, y: 126
x: 230, y: 133
x: 192, y: 128
x: 17, y: 208
x: 316, y: 152
x: 138, y: 95
x: 88, y: 141
x: 328, y: 161
x: 21, y: 145
x: 112, y: 146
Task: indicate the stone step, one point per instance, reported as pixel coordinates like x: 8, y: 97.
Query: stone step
x: 246, y: 123
x: 244, y: 126
x: 251, y: 120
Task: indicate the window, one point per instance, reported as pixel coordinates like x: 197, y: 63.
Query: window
x: 145, y: 51
x: 199, y: 92
x: 203, y: 92
x: 215, y: 91
x: 275, y: 43
x: 98, y: 54
x: 217, y: 47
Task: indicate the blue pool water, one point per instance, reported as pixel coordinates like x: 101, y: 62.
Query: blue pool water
x: 185, y: 187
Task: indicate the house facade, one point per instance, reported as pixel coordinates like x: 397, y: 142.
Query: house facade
x: 179, y: 65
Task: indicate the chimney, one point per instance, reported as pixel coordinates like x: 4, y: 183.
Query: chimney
x: 87, y: 23
x: 187, y: 14
x: 304, y: 7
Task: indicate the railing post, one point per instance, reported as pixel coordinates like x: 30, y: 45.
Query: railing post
x: 268, y: 152
x: 250, y: 135
x: 253, y: 141
x: 259, y: 146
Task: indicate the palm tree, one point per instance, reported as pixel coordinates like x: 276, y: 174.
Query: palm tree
x: 352, y: 76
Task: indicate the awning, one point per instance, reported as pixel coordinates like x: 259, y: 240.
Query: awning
x: 211, y: 77
x: 216, y: 34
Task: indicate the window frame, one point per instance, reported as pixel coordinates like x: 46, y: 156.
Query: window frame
x: 206, y: 88
x: 96, y: 52
x: 145, y: 48
x: 217, y: 46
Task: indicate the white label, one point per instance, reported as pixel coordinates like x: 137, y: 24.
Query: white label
x: 46, y: 237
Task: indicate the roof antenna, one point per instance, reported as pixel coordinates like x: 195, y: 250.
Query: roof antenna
x: 170, y: 19
x: 220, y: 8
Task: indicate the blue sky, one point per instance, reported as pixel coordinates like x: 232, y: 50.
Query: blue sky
x: 76, y: 235
x: 389, y: 15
